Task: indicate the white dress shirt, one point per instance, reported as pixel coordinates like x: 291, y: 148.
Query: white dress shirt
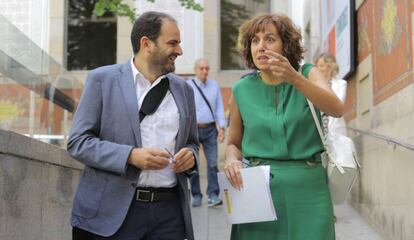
x: 158, y: 130
x: 211, y: 90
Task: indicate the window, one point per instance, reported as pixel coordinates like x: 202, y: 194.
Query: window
x: 233, y: 14
x: 91, y: 41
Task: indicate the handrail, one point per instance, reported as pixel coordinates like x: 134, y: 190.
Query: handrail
x: 383, y: 137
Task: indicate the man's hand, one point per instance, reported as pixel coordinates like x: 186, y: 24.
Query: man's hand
x: 149, y: 158
x: 184, y: 160
x: 220, y: 136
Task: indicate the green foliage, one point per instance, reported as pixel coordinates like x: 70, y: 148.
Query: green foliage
x: 190, y: 4
x: 115, y: 6
x: 119, y: 8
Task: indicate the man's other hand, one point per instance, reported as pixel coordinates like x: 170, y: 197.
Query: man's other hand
x: 220, y: 135
x: 149, y: 158
x: 184, y: 160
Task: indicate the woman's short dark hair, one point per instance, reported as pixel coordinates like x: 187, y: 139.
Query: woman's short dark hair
x: 288, y: 32
x: 149, y: 25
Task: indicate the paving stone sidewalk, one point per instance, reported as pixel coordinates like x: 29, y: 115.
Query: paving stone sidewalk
x: 210, y: 223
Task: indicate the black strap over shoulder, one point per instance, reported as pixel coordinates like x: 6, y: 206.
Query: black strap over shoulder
x: 154, y: 98
x: 205, y: 98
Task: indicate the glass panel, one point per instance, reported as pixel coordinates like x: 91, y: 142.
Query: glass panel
x: 91, y: 41
x: 37, y: 95
x: 233, y: 14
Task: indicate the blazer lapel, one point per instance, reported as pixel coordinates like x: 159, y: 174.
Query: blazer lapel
x: 177, y: 94
x: 126, y: 83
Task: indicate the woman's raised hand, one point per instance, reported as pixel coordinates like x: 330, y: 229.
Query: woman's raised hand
x: 281, y: 67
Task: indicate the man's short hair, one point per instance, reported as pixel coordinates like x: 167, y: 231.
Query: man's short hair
x: 149, y: 25
x: 197, y: 62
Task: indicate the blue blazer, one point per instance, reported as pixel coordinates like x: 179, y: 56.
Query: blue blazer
x: 105, y: 128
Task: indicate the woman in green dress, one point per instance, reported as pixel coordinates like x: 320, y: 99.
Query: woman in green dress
x: 271, y: 124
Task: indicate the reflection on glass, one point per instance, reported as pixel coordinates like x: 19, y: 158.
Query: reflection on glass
x: 37, y: 96
x: 233, y: 14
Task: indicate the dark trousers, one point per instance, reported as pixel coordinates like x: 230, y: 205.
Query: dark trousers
x: 162, y: 220
x: 208, y: 139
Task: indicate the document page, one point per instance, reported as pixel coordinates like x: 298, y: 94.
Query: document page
x: 253, y: 203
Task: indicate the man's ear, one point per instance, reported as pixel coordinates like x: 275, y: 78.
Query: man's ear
x: 146, y: 43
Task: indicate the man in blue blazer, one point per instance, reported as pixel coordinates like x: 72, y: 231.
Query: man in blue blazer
x: 135, y: 131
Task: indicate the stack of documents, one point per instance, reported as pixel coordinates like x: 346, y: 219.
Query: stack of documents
x: 253, y: 203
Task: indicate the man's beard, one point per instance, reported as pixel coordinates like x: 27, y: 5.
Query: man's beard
x: 162, y: 64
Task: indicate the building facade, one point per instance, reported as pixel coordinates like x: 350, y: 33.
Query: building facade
x: 379, y: 100
x: 66, y: 40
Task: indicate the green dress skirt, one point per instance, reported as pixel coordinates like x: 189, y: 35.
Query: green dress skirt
x: 302, y: 203
x: 278, y: 127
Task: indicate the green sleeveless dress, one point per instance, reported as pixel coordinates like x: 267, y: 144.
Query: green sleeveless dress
x: 279, y: 131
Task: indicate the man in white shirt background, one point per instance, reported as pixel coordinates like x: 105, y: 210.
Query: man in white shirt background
x: 211, y: 124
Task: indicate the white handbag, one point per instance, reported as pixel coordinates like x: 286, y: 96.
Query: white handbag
x: 341, y: 160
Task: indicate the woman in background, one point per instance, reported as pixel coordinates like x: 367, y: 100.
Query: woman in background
x: 271, y: 123
x: 326, y: 63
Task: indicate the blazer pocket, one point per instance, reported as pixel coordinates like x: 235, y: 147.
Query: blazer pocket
x: 89, y: 194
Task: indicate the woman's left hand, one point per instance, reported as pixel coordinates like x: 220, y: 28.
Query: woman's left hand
x: 233, y: 174
x: 281, y: 68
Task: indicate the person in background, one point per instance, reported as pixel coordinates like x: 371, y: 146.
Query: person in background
x: 326, y: 63
x: 211, y: 125
x: 271, y: 123
x: 137, y: 154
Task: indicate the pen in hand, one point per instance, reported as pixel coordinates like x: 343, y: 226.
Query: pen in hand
x: 172, y: 158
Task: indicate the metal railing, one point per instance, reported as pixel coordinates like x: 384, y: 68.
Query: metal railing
x: 383, y: 137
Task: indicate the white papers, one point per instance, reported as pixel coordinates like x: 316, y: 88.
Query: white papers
x: 253, y: 203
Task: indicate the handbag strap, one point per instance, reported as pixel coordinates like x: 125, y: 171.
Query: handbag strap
x: 316, y: 120
x: 205, y: 98
x: 315, y: 117
x: 320, y: 132
x: 325, y: 146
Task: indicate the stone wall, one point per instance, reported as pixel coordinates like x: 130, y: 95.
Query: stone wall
x: 384, y: 192
x: 37, y: 182
x: 380, y: 99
